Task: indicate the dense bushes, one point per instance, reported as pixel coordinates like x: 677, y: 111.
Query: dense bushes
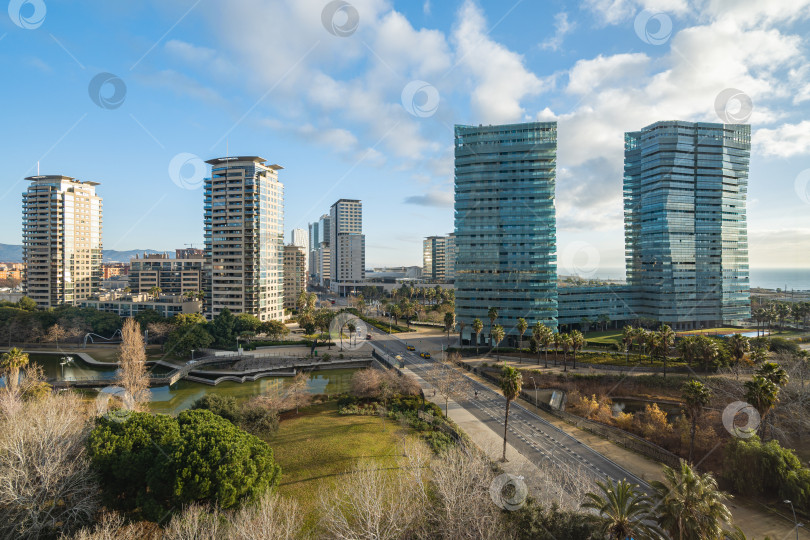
x: 756, y: 468
x: 252, y: 416
x: 533, y: 522
x: 155, y: 463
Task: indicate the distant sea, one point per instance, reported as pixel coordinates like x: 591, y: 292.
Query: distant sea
x: 767, y: 278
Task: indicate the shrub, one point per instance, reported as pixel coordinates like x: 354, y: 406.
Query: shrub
x: 158, y: 462
x: 224, y: 406
x: 781, y: 345
x: 533, y: 522
x: 254, y: 416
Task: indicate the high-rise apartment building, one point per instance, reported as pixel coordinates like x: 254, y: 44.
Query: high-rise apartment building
x: 300, y: 238
x: 685, y: 187
x: 295, y: 274
x: 433, y: 257
x: 172, y: 276
x: 61, y: 240
x: 450, y: 257
x: 347, y: 244
x: 505, y: 230
x: 244, y: 238
x: 314, y: 240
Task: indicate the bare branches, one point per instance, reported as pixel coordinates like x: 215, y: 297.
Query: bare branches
x: 449, y: 382
x: 132, y: 375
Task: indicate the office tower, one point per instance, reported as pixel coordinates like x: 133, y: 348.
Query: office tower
x: 685, y: 187
x: 505, y: 225
x: 244, y: 238
x: 450, y: 257
x: 295, y: 274
x: 61, y: 240
x: 347, y: 244
x: 172, y: 276
x: 300, y: 238
x: 433, y: 254
x: 314, y: 241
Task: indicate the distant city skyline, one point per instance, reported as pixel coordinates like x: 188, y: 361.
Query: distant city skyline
x: 148, y: 91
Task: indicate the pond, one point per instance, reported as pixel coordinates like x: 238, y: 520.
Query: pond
x: 183, y: 394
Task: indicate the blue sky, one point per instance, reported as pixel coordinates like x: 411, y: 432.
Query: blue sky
x: 339, y: 112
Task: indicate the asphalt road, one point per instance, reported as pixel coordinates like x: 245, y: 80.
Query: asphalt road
x: 537, y: 439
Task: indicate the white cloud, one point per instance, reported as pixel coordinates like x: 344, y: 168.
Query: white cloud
x: 618, y: 11
x: 606, y: 71
x: 784, y: 141
x: 500, y: 80
x: 439, y: 199
x: 562, y: 27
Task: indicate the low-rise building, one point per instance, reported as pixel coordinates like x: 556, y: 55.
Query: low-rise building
x: 131, y: 305
x: 109, y: 270
x: 12, y: 270
x: 172, y: 276
x: 295, y: 274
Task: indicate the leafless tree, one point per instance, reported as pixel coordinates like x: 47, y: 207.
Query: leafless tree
x: 298, y: 391
x: 159, y: 331
x: 270, y: 517
x: 196, y: 522
x: 112, y: 526
x: 132, y: 375
x: 449, y: 383
x: 46, y: 485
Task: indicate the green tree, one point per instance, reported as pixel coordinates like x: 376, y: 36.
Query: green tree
x: 738, y: 345
x: 11, y: 363
x: 774, y: 373
x: 157, y: 463
x: 154, y: 292
x: 27, y: 304
x: 277, y: 330
x: 183, y: 339
x: 622, y: 511
x: 695, y: 396
x: 627, y: 340
x: 666, y: 340
x: 566, y: 342
x: 689, y: 506
x: 477, y: 326
x: 545, y: 337
x: 492, y: 315
x: 222, y: 329
x: 246, y: 322
x: 511, y: 384
x: 147, y: 316
x: 521, y: 326
x: 577, y: 342
x: 460, y: 325
x: 497, y: 336
x: 449, y: 323
x: 762, y: 394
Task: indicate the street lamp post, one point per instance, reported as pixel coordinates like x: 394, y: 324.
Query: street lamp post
x: 795, y: 521
x: 534, y: 383
x: 192, y: 354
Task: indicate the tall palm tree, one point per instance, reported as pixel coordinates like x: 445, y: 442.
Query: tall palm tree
x: 492, y: 314
x: 688, y: 505
x: 707, y: 351
x: 460, y: 325
x: 10, y: 365
x: 653, y: 342
x: 477, y: 326
x: 623, y: 511
x: 688, y: 349
x: 762, y: 394
x: 449, y: 323
x: 738, y: 345
x: 666, y: 340
x: 497, y: 336
x: 557, y: 340
x: 774, y: 373
x: 627, y: 339
x: 695, y: 396
x: 566, y: 343
x: 546, y: 338
x: 577, y: 342
x: 521, y: 326
x: 511, y: 384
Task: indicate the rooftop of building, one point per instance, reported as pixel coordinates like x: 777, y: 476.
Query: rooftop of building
x: 60, y: 178
x: 242, y: 159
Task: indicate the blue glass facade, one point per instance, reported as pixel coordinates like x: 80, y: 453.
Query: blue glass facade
x: 505, y: 225
x: 685, y: 187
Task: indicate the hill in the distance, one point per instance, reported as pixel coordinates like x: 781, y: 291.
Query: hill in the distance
x: 13, y: 253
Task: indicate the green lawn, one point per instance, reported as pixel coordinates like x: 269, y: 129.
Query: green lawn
x: 319, y: 445
x: 607, y: 337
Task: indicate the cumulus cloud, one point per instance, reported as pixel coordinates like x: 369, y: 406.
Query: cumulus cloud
x: 784, y: 141
x: 562, y: 27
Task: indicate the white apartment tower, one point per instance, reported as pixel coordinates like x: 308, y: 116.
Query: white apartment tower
x: 348, y: 245
x: 61, y: 240
x: 244, y: 238
x: 300, y: 238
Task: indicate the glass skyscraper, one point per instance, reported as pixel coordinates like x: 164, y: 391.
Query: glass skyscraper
x: 685, y: 187
x: 505, y: 227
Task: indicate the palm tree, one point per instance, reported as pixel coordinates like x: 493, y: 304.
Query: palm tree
x: 653, y: 342
x: 477, y: 326
x: 460, y: 325
x: 10, y: 364
x: 497, y: 336
x: 155, y: 292
x: 623, y: 511
x: 557, y: 342
x: 762, y: 394
x: 449, y: 323
x: 511, y: 384
x: 538, y: 333
x: 774, y: 373
x: 707, y: 350
x: 695, y: 396
x: 689, y: 504
x: 492, y: 314
x: 546, y: 338
x: 521, y: 326
x: 666, y: 339
x: 782, y: 312
x: 628, y: 335
x: 738, y: 345
x: 577, y: 342
x: 566, y: 342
